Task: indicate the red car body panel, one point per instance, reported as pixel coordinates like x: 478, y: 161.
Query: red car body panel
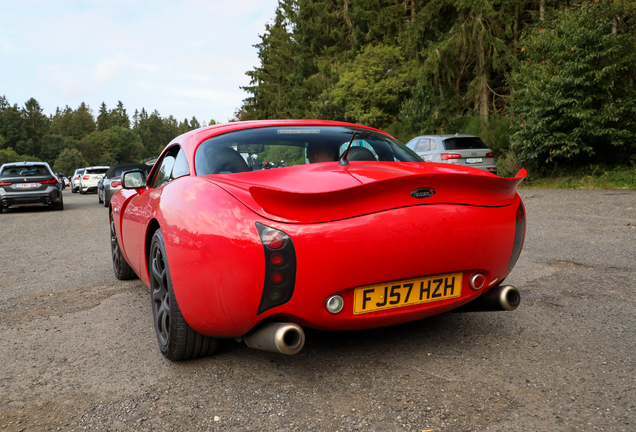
x: 351, y: 226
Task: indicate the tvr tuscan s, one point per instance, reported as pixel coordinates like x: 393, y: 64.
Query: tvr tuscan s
x: 354, y: 231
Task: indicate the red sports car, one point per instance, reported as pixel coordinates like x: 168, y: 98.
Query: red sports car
x: 253, y: 230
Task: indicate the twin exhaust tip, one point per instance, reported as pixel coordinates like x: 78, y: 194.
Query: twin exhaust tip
x: 289, y: 338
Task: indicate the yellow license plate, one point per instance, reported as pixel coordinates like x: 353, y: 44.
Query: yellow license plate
x: 406, y: 293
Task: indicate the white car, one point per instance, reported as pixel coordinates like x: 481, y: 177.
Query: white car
x: 90, y: 177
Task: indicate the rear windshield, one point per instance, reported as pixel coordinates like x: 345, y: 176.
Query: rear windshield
x: 277, y: 147
x: 24, y: 171
x: 96, y: 171
x: 464, y: 143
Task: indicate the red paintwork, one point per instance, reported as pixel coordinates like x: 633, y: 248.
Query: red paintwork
x: 351, y: 226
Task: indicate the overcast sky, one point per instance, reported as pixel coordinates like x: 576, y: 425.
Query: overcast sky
x: 185, y: 58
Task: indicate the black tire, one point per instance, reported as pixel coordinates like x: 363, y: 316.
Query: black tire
x: 99, y: 198
x: 74, y: 190
x: 122, y: 269
x: 106, y: 203
x: 177, y: 340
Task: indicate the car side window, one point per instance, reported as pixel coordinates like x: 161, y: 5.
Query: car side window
x: 165, y: 169
x: 173, y: 165
x: 424, y: 145
x: 181, y: 167
x: 433, y: 145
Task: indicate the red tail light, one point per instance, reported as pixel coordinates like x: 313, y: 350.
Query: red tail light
x: 280, y: 267
x: 115, y: 184
x: 488, y: 155
x: 277, y: 259
x: 5, y: 184
x: 447, y: 156
x: 277, y: 277
x: 52, y: 181
x: 86, y: 177
x: 274, y: 239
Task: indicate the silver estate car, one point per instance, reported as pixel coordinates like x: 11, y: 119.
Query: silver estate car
x: 467, y: 150
x: 28, y: 184
x: 89, y: 179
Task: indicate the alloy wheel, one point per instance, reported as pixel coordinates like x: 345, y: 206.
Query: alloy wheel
x: 160, y: 295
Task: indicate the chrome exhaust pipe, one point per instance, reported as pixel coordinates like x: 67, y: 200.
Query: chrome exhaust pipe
x: 501, y: 298
x: 5, y: 204
x: 283, y: 338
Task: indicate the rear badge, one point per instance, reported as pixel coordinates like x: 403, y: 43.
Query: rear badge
x: 423, y: 193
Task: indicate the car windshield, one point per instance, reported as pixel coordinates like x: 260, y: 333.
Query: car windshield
x: 464, y: 143
x: 271, y: 147
x: 96, y: 171
x: 24, y: 171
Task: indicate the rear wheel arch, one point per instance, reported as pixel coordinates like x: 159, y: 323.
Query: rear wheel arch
x: 176, y: 339
x: 153, y: 226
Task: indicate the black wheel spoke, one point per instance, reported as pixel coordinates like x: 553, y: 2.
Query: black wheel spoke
x: 156, y: 272
x: 160, y: 294
x: 165, y: 325
x: 162, y: 321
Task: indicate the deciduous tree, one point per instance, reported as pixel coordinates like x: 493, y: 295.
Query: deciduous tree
x: 575, y: 99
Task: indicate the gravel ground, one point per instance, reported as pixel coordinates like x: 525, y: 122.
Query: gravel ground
x: 79, y: 351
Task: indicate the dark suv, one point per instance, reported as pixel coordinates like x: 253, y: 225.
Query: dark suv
x: 29, y: 183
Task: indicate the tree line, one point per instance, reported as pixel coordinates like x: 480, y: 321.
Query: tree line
x: 547, y: 83
x: 75, y: 138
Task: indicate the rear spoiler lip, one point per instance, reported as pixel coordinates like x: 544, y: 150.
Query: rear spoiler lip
x: 452, y: 188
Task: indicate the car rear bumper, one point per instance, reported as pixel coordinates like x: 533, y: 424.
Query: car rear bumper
x: 31, y: 198
x: 336, y: 258
x: 88, y: 189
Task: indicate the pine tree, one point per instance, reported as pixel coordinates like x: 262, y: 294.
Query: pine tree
x: 103, y: 118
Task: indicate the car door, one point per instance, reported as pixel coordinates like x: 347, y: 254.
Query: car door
x: 142, y: 207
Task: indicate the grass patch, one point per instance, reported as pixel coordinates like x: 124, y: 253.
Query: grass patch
x: 593, y: 177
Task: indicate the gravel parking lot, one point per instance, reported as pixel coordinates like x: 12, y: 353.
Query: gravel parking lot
x: 79, y: 351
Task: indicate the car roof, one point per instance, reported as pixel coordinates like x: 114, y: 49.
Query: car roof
x: 25, y: 163
x: 446, y: 136
x: 131, y: 165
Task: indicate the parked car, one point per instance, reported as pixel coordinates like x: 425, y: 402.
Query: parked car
x: 354, y: 232
x: 62, y: 179
x: 454, y: 149
x: 111, y: 182
x: 28, y: 184
x: 90, y: 177
x: 75, y: 179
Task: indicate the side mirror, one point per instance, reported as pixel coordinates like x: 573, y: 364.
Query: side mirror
x: 133, y: 180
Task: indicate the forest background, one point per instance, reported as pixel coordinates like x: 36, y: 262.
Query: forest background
x: 548, y: 84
